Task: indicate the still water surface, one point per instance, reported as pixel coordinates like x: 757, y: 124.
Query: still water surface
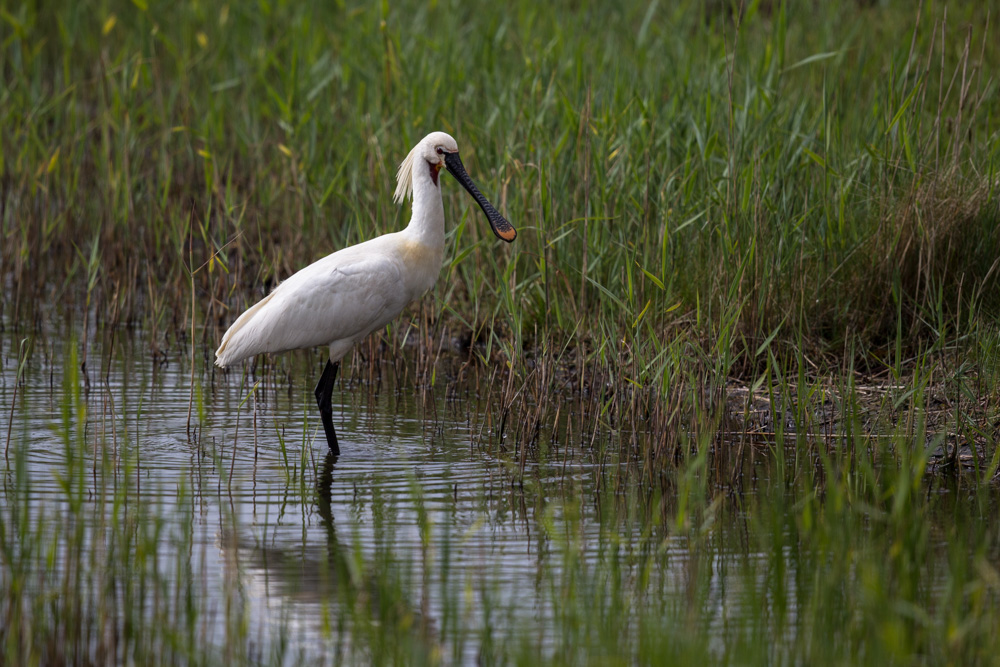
x: 262, y: 520
x: 270, y: 510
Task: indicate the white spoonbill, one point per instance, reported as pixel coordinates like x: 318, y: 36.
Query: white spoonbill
x: 340, y: 299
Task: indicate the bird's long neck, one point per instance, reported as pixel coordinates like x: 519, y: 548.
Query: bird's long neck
x: 427, y: 223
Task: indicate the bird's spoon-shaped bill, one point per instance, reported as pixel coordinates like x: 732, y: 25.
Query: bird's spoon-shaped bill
x: 503, y: 229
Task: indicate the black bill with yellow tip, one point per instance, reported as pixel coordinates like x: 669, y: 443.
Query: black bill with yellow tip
x: 503, y: 229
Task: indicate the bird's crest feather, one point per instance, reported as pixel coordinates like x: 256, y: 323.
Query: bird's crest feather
x: 404, y: 177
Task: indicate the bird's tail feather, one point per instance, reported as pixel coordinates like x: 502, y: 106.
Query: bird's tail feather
x: 238, y: 343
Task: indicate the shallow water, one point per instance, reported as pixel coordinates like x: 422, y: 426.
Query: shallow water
x: 423, y: 521
x: 269, y: 514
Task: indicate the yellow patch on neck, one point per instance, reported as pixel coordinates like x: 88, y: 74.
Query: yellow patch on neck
x: 415, y: 252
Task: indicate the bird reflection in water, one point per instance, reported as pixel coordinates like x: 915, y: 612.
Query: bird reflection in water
x: 327, y: 587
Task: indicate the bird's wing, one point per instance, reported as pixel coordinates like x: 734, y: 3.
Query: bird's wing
x: 342, y: 297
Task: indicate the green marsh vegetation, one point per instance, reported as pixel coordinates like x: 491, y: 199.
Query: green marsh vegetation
x: 747, y: 338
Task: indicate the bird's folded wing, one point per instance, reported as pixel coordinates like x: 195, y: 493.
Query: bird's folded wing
x: 337, y: 298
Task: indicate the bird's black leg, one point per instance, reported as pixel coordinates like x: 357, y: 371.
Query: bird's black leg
x: 324, y: 392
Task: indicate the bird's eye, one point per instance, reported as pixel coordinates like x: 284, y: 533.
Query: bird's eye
x: 440, y: 151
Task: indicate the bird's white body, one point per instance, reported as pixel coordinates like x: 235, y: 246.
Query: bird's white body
x: 340, y: 299
x: 345, y: 296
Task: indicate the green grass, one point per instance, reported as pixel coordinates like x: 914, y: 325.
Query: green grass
x: 759, y: 234
x: 829, y: 178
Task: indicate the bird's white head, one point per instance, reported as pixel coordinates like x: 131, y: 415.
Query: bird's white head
x: 437, y: 151
x: 430, y: 151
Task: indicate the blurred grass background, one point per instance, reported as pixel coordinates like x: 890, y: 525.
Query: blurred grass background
x: 816, y: 177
